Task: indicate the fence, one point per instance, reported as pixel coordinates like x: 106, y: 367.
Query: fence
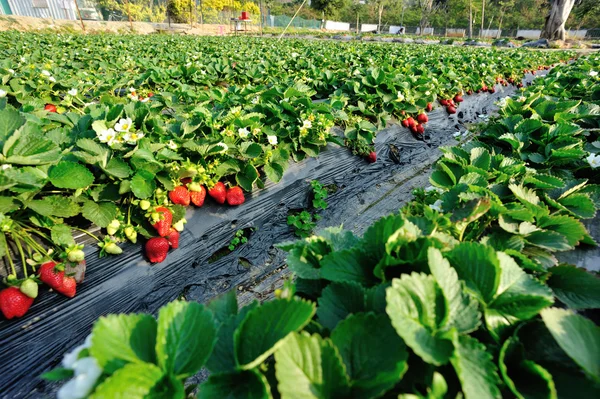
x: 282, y: 21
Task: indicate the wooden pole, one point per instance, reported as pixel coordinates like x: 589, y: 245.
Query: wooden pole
x: 261, y: 17
x: 289, y: 23
x: 79, y: 14
x: 482, y: 18
x: 129, y: 15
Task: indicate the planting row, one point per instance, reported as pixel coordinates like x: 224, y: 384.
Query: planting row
x: 458, y: 294
x: 125, y: 132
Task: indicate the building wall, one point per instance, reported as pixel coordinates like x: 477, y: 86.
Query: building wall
x: 57, y: 9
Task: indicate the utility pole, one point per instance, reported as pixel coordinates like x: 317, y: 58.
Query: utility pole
x: 482, y: 17
x: 470, y: 19
x: 79, y: 14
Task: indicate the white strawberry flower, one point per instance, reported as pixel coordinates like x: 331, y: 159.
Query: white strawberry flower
x: 172, y: 145
x: 456, y: 134
x: 87, y: 371
x: 593, y: 160
x: 70, y: 358
x: 132, y: 137
x: 2, y: 93
x: 593, y: 73
x: 5, y: 166
x: 294, y: 55
x: 521, y: 99
x: 123, y: 125
x: 255, y: 100
x: 306, y: 124
x: 73, y: 92
x: 243, y: 132
x: 11, y: 71
x: 132, y: 89
x: 52, y: 79
x: 400, y: 96
x: 437, y: 205
x: 46, y: 73
x: 272, y: 140
x: 107, y: 135
x: 145, y: 100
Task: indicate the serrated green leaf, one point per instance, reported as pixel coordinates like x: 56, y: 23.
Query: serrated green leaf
x: 338, y: 301
x: 133, y: 381
x: 185, y: 337
x: 577, y: 336
x: 309, y: 367
x: 374, y: 355
x: 143, y: 184
x: 264, y: 329
x: 61, y: 235
x: 121, y: 339
x: 117, y: 168
x: 250, y: 384
x: 575, y: 287
x: 274, y: 172
x: 475, y: 369
x: 70, y: 175
x: 580, y: 204
x: 99, y: 213
x: 413, y: 305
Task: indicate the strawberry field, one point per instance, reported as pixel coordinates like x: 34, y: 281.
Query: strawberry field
x: 139, y: 172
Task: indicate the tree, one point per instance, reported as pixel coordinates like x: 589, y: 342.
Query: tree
x: 328, y: 7
x: 554, y: 28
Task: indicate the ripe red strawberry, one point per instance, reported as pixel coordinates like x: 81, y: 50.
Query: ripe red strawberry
x: 50, y: 108
x: 164, y: 224
x: 469, y: 92
x: 422, y: 118
x: 54, y: 276
x: 420, y: 129
x: 150, y: 94
x: 198, y: 197
x: 173, y: 238
x: 13, y: 303
x: 429, y: 107
x: 451, y: 110
x: 484, y: 88
x: 405, y: 123
x: 458, y: 98
x: 519, y: 85
x: 235, y: 196
x: 533, y: 72
x: 156, y: 249
x: 180, y: 195
x: 492, y: 89
x: 372, y: 157
x: 218, y: 193
x: 411, y: 121
x: 413, y: 128
x: 444, y: 102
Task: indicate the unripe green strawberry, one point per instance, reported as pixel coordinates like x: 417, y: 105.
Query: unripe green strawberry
x: 113, y: 227
x: 112, y: 248
x: 76, y: 255
x: 29, y: 288
x: 179, y: 225
x: 194, y: 186
x: 145, y: 205
x: 131, y: 234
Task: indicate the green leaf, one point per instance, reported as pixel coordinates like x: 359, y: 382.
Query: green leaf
x: 61, y: 235
x: 524, y: 378
x: 70, y: 175
x: 99, y: 213
x: 117, y: 168
x: 350, y: 265
x: 338, y: 301
x: 478, y: 266
x: 549, y: 240
x: 577, y: 336
x: 11, y: 121
x: 250, y: 384
x: 524, y: 194
x: 133, y: 381
x: 475, y: 369
x: 580, y: 204
x: 264, y: 328
x: 374, y: 355
x: 185, y: 337
x: 480, y: 158
x: 58, y: 374
x: 378, y: 234
x: 462, y: 311
x: 310, y: 367
x: 415, y: 305
x: 143, y: 184
x: 223, y: 306
x: 519, y: 296
x: 8, y: 204
x: 250, y: 150
x: 274, y: 171
x: 121, y: 339
x: 571, y: 228
x: 575, y: 287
